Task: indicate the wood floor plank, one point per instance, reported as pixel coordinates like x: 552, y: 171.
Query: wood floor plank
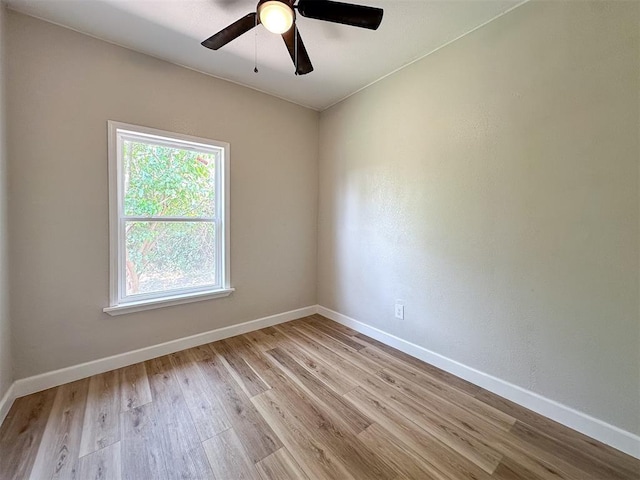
x: 542, y: 464
x: 438, y: 426
x: 141, y: 452
x: 280, y: 466
x: 328, y: 426
x: 313, y: 456
x: 509, y: 470
x: 252, y: 429
x: 580, y: 459
x: 317, y: 319
x: 576, y: 440
x: 313, y: 387
x: 322, y: 370
x: 420, y: 376
x: 403, y: 461
x: 134, y: 387
x: 274, y: 335
x: 445, y: 377
x: 336, y: 335
x: 101, y: 426
x: 256, y: 358
x: 175, y: 431
x: 420, y: 389
x: 58, y: 453
x: 485, y: 447
x: 21, y: 433
x: 528, y: 455
x: 326, y: 444
x: 352, y: 372
x: 246, y: 376
x: 482, y: 445
x: 228, y: 457
x: 206, y: 410
x: 104, y: 464
x: 261, y: 341
x: 444, y: 459
x: 333, y: 324
x: 339, y: 349
x: 452, y: 394
x: 267, y: 338
x: 425, y: 402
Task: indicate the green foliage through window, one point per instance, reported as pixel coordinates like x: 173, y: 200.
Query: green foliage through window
x: 164, y: 181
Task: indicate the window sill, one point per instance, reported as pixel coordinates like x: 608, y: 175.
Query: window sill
x: 166, y: 302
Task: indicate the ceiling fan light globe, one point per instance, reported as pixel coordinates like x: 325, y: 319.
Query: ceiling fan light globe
x: 276, y: 16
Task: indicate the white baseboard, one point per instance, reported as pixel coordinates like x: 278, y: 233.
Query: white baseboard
x: 6, y: 402
x: 611, y: 435
x: 37, y: 383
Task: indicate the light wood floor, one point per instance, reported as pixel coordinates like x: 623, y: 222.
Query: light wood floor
x: 309, y: 399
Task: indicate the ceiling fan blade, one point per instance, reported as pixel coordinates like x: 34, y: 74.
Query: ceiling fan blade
x: 232, y: 32
x: 294, y: 42
x: 345, y: 13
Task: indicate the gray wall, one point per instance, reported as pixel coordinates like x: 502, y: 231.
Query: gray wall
x: 62, y: 89
x: 493, y: 187
x: 6, y: 365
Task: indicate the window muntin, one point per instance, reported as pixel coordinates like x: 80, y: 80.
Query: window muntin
x: 168, y: 218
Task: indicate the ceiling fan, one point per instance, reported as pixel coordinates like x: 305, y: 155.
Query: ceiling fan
x: 278, y: 16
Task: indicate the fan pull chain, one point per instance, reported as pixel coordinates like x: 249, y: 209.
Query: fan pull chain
x: 295, y: 47
x: 255, y: 58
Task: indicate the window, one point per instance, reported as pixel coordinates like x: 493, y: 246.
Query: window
x: 169, y: 213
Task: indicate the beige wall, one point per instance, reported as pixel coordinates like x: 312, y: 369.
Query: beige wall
x: 6, y: 366
x: 493, y: 187
x: 62, y: 89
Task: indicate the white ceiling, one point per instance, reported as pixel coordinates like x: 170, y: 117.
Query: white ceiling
x: 345, y: 58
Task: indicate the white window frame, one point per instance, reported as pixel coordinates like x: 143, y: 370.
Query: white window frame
x: 120, y: 303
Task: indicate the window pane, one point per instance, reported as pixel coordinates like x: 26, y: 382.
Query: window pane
x: 167, y: 181
x: 164, y: 256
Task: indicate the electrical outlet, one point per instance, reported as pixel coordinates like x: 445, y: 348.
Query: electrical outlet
x: 399, y: 311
